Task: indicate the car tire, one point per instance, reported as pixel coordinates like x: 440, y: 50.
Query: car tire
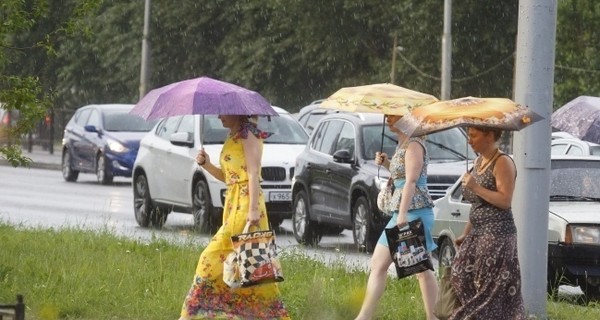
x: 68, y: 173
x: 362, y: 230
x: 446, y: 253
x: 202, y: 208
x: 146, y: 214
x: 103, y: 175
x: 305, y: 231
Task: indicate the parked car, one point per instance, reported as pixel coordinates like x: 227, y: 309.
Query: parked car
x: 574, y: 147
x: 102, y: 139
x: 337, y: 181
x: 573, y: 228
x: 310, y: 115
x: 166, y: 177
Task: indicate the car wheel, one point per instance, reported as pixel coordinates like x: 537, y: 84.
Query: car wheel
x: 305, y: 231
x: 103, y: 175
x: 591, y: 291
x: 202, y: 208
x: 361, y: 226
x: 68, y: 173
x: 146, y: 214
x: 446, y: 253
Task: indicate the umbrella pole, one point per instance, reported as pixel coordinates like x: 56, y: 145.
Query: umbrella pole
x: 381, y: 148
x: 202, y: 132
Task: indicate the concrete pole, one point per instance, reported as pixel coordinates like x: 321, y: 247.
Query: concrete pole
x: 534, y: 78
x: 393, y: 71
x: 447, y: 51
x: 145, y: 63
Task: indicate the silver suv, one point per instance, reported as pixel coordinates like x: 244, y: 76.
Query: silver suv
x: 166, y: 177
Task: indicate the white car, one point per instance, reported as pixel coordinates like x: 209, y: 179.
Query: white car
x: 574, y: 147
x: 573, y: 223
x: 166, y: 177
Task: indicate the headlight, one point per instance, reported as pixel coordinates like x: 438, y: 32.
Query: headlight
x: 583, y: 234
x: 116, y: 146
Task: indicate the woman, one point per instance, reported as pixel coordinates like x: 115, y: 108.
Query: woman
x: 485, y: 273
x: 209, y: 297
x: 411, y: 200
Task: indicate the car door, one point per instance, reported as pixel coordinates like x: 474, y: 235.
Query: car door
x: 162, y: 169
x: 319, y: 183
x: 452, y: 211
x: 340, y: 175
x: 74, y: 133
x: 181, y: 161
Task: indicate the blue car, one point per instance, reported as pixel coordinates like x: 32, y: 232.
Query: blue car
x: 103, y: 139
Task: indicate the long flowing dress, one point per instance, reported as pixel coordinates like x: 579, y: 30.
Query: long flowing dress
x: 485, y: 273
x: 209, y: 297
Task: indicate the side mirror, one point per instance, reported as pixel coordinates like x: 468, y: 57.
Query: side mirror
x: 182, y: 139
x: 91, y: 128
x: 342, y: 156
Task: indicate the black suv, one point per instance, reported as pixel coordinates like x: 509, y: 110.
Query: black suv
x: 337, y: 181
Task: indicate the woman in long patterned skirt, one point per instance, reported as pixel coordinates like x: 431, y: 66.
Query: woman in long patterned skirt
x: 485, y: 273
x: 209, y: 297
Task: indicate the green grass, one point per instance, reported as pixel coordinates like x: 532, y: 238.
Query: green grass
x: 76, y: 274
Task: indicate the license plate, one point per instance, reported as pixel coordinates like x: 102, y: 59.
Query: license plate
x: 280, y: 196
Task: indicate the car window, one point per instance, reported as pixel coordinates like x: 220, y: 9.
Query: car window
x: 372, y: 140
x: 449, y: 145
x: 82, y: 116
x: 284, y: 130
x: 575, y: 151
x: 595, y: 150
x: 94, y: 119
x: 186, y: 124
x: 120, y: 120
x: 574, y: 179
x: 167, y: 127
x: 457, y: 194
x: 558, y: 149
x: 345, y: 139
x: 213, y: 130
x: 328, y: 136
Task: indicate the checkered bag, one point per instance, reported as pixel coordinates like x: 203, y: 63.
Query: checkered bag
x: 256, y: 257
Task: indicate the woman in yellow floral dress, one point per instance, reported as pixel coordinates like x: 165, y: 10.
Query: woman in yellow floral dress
x: 209, y: 297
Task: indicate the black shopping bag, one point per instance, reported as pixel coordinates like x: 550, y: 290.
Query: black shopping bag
x: 408, y: 249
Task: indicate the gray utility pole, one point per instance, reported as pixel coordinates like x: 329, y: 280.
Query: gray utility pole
x: 145, y: 63
x: 534, y: 78
x: 447, y: 51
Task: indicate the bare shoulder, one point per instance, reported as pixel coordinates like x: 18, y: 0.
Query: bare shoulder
x: 505, y: 165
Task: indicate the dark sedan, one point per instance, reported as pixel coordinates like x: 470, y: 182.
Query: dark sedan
x: 337, y: 181
x: 102, y: 139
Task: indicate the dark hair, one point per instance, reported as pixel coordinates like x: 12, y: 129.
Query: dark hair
x: 495, y: 131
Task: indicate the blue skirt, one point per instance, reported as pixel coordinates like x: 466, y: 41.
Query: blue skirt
x: 426, y: 215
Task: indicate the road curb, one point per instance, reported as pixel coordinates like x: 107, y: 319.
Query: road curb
x: 36, y: 165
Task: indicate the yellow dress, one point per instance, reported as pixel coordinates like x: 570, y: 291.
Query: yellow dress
x: 209, y: 297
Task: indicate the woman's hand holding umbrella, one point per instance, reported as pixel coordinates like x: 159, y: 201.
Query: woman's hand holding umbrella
x: 202, y: 157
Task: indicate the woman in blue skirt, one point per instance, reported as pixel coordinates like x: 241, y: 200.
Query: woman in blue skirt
x: 410, y: 201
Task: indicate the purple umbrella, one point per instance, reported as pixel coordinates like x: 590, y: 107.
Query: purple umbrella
x: 202, y: 96
x: 579, y: 117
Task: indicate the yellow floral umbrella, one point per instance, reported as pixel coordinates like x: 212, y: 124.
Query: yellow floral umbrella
x: 377, y: 98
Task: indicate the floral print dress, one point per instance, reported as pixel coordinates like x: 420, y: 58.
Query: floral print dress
x: 485, y: 273
x: 209, y: 297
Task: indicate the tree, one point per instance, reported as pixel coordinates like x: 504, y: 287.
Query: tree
x: 29, y: 30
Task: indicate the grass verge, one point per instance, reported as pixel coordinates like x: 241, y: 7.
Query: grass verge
x: 77, y: 274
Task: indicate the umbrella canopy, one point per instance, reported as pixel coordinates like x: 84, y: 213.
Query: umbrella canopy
x: 579, y: 117
x: 202, y: 96
x: 498, y: 113
x: 377, y: 98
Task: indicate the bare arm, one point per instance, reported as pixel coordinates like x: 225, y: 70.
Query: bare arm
x: 203, y: 160
x: 504, y: 172
x: 253, y: 154
x: 413, y: 160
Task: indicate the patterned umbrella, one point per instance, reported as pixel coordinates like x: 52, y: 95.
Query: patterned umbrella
x: 579, y: 117
x: 498, y: 113
x: 202, y: 96
x: 377, y: 98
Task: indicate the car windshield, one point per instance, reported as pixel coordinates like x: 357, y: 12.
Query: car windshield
x: 572, y: 180
x: 284, y: 128
x: 448, y: 145
x: 120, y: 120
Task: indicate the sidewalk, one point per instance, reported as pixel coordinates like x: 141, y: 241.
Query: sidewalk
x: 42, y: 159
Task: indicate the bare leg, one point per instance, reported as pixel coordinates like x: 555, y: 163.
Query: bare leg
x: 380, y: 262
x: 429, y: 289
